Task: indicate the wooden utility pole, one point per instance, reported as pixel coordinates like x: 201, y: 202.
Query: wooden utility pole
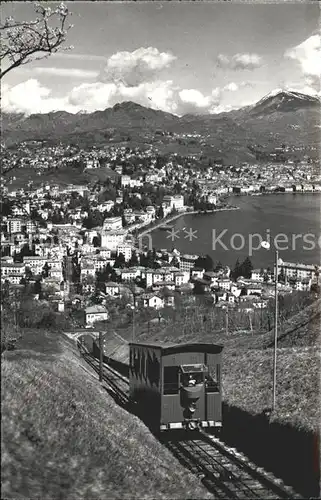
x: 133, y: 334
x: 15, y: 314
x: 276, y: 314
x: 101, y: 354
x: 226, y: 321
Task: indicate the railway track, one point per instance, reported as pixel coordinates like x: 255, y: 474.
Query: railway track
x: 117, y: 383
x: 223, y: 470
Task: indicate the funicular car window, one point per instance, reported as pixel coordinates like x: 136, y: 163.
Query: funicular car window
x: 212, y: 378
x: 192, y: 374
x: 152, y: 369
x: 143, y: 364
x: 171, y: 380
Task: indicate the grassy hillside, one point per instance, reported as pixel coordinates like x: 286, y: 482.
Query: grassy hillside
x: 63, y: 436
x: 248, y: 384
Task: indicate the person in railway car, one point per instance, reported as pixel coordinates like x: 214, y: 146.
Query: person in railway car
x: 191, y: 381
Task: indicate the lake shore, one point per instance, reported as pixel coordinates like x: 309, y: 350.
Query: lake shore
x: 166, y: 221
x: 257, y: 215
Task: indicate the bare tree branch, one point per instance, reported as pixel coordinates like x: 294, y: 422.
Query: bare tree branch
x: 21, y: 40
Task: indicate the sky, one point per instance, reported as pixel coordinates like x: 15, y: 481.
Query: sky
x: 179, y: 57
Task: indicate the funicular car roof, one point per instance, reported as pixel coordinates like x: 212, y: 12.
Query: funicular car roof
x: 174, y: 348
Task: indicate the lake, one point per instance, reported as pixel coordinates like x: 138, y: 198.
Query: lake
x: 295, y: 218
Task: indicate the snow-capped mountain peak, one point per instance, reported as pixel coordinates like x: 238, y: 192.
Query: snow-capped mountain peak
x: 284, y: 100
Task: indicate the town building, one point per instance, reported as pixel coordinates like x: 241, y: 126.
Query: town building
x: 187, y: 262
x: 126, y: 250
x: 152, y: 300
x: 14, y: 225
x: 112, y: 224
x: 112, y: 239
x: 174, y: 202
x: 95, y: 313
x: 296, y: 270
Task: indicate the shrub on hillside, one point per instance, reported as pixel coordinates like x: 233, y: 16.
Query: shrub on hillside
x: 39, y: 314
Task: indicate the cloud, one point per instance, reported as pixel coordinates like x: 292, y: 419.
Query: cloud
x: 65, y: 72
x: 133, y: 68
x: 127, y: 76
x: 77, y: 56
x: 192, y: 101
x: 304, y: 88
x: 100, y: 95
x: 308, y: 55
x: 160, y: 94
x: 239, y: 61
x: 30, y: 97
x: 234, y: 87
x: 231, y: 87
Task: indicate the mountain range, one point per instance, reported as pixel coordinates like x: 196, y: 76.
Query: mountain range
x: 281, y: 117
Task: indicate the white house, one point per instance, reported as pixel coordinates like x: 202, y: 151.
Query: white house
x: 129, y: 274
x: 126, y: 250
x: 211, y: 198
x: 224, y: 283
x: 256, y: 275
x: 170, y: 285
x: 95, y: 313
x: 181, y: 278
x: 112, y: 224
x: 104, y: 252
x: 12, y: 269
x: 106, y: 206
x: 87, y: 270
x: 151, y: 211
x: 174, y: 202
x: 197, y: 273
x: 254, y: 290
x: 152, y: 300
x: 236, y: 290
x: 111, y: 239
x: 112, y: 288
x: 35, y: 263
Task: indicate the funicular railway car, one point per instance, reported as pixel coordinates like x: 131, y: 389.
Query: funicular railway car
x: 177, y: 386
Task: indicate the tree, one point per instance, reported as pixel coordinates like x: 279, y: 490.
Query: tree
x: 97, y: 241
x: 236, y: 273
x: 160, y: 213
x: 24, y: 41
x: 28, y: 274
x: 174, y: 262
x: 205, y: 262
x: 219, y: 266
x: 120, y: 260
x: 124, y: 222
x: 105, y: 274
x: 37, y: 288
x: 45, y: 270
x: 208, y: 263
x: 247, y: 268
x: 281, y: 276
x: 133, y: 260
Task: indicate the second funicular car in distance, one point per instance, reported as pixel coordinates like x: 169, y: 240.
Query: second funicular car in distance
x: 177, y: 386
